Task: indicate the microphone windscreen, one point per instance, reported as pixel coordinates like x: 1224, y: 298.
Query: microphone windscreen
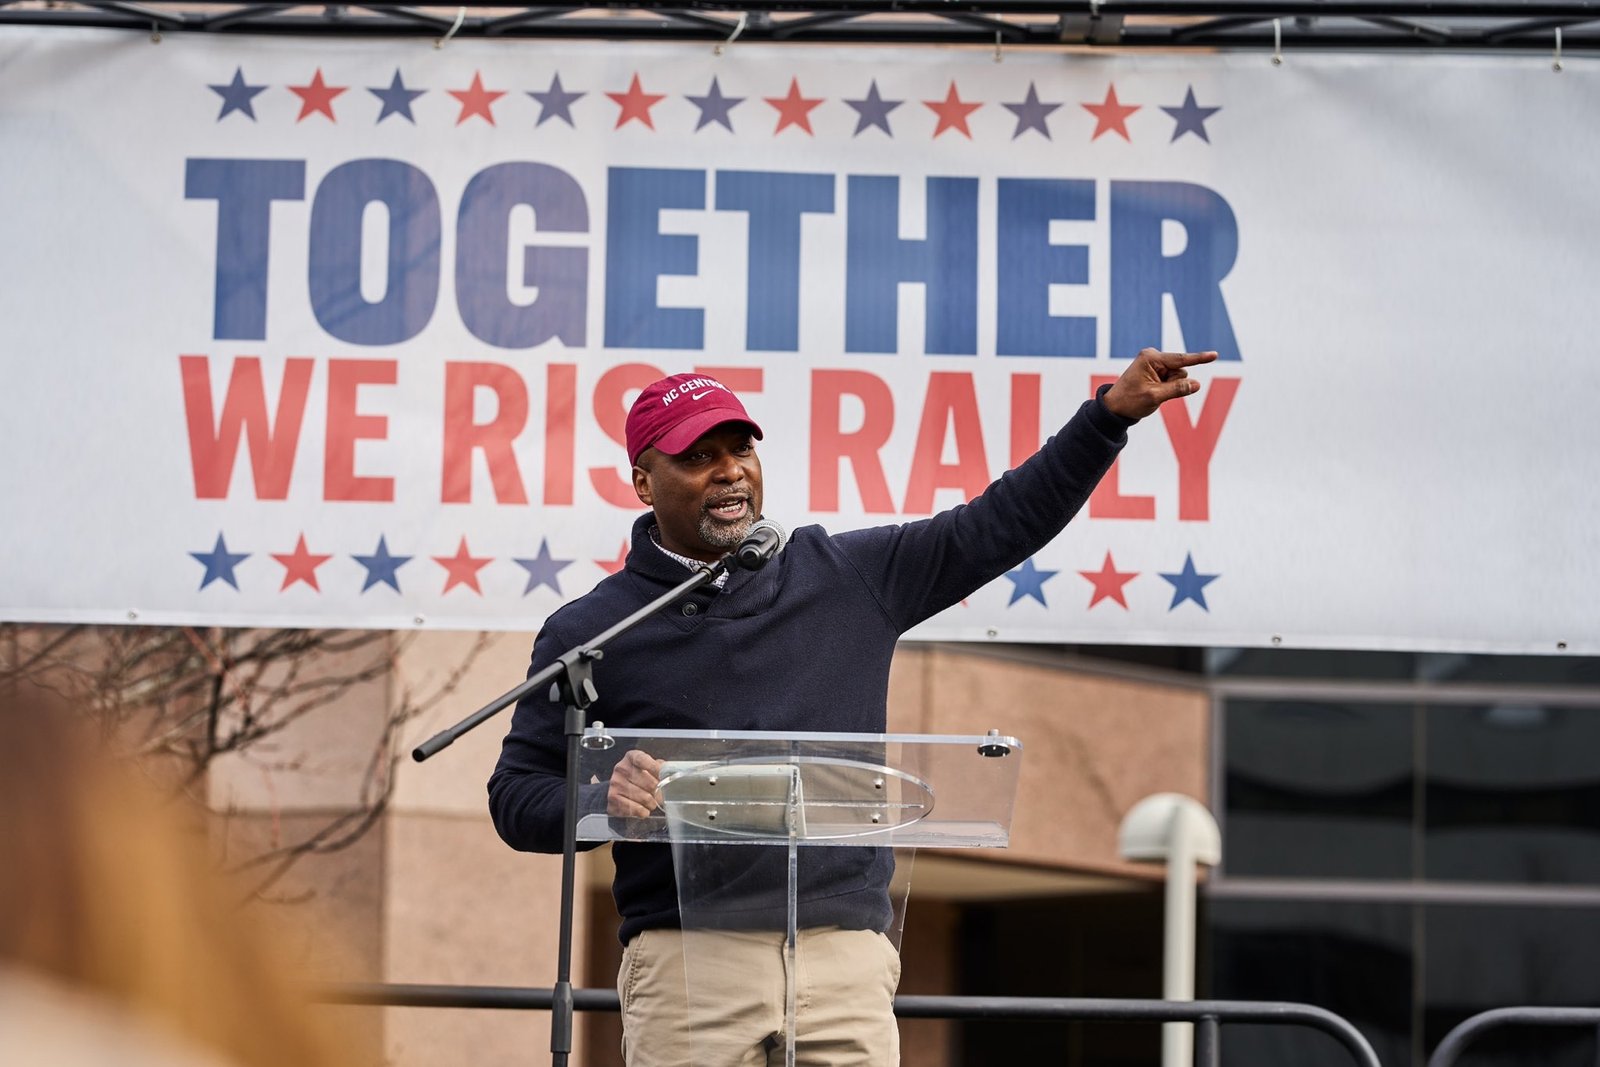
x: 764, y: 541
x: 768, y: 524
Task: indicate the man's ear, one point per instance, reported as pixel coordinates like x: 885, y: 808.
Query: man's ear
x: 641, y: 486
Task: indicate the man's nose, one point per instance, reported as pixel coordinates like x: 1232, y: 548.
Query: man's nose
x: 727, y: 468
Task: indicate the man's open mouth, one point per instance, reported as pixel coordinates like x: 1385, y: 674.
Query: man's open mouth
x: 729, y: 508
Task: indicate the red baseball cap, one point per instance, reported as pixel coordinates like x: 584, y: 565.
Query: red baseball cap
x: 677, y: 411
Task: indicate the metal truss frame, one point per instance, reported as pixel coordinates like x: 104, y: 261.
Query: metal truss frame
x: 1280, y: 26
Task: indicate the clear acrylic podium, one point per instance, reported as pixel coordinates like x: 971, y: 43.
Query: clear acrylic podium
x: 773, y: 834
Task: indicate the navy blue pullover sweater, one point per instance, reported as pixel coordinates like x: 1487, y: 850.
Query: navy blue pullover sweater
x: 803, y: 644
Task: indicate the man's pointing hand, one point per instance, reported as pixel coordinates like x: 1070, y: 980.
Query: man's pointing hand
x: 1152, y: 379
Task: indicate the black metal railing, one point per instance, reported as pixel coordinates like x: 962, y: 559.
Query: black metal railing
x: 1471, y: 1029
x: 1207, y: 1015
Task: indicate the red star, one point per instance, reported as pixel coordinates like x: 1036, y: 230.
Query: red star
x: 300, y: 565
x: 1111, y: 115
x: 952, y: 112
x: 316, y: 97
x: 1108, y: 582
x: 793, y: 109
x: 476, y: 100
x: 612, y: 566
x: 463, y: 568
x: 636, y: 104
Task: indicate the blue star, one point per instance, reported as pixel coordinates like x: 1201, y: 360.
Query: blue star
x: 1031, y: 114
x: 1189, y: 584
x: 1028, y: 580
x: 1190, y: 117
x: 381, y: 566
x: 542, y: 570
x: 236, y: 95
x: 874, y: 110
x: 219, y: 563
x: 397, y: 99
x: 555, y: 102
x: 714, y: 107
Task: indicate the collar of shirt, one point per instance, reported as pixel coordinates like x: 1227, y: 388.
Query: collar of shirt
x: 691, y: 564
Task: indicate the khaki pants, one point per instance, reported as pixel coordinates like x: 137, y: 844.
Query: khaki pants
x: 844, y: 1002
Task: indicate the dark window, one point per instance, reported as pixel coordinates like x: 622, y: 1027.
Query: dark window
x: 1362, y: 961
x: 1401, y: 666
x: 1317, y: 789
x: 1510, y: 670
x: 1355, y: 960
x: 1513, y: 794
x: 1481, y: 957
x: 1094, y: 945
x: 1497, y: 793
x: 1310, y: 663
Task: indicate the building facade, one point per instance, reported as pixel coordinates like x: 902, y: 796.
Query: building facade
x: 1407, y: 839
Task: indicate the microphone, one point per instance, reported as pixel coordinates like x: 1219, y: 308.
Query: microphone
x: 765, y: 540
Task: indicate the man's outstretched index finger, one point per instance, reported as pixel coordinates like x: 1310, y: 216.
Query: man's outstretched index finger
x: 1179, y: 360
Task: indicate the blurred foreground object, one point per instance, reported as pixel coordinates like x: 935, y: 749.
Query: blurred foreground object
x: 50, y: 1023
x: 190, y: 701
x: 110, y: 909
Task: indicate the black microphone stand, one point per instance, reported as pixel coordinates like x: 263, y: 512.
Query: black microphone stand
x: 571, y: 679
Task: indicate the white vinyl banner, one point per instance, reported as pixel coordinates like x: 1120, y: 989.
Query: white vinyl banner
x: 305, y: 332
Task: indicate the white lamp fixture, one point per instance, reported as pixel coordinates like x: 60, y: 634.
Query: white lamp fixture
x: 1176, y: 830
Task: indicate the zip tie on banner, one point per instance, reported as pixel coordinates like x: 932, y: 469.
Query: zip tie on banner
x: 155, y: 36
x: 1277, y: 42
x: 461, y: 16
x: 998, y: 55
x: 744, y: 20
x: 1556, y: 66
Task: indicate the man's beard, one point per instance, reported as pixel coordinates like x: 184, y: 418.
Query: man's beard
x: 723, y: 535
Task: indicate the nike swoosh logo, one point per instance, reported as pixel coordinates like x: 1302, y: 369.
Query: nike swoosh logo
x: 697, y: 396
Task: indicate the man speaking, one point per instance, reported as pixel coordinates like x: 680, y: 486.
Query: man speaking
x: 803, y: 644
